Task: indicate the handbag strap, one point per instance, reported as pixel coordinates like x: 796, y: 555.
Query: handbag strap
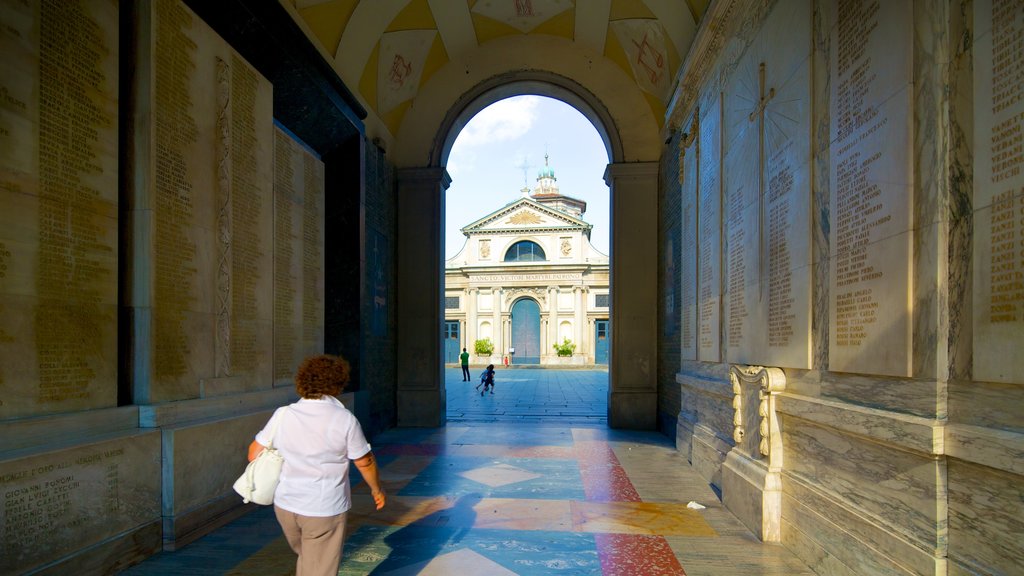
x: 273, y: 430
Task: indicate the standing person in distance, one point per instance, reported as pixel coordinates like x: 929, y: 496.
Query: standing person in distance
x: 318, y: 436
x: 464, y: 359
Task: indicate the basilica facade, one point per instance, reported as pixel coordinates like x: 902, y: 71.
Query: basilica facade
x: 528, y: 286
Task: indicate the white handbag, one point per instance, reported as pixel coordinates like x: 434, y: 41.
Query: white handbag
x: 259, y: 481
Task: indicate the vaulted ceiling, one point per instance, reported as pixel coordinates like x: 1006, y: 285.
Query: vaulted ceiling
x: 388, y: 51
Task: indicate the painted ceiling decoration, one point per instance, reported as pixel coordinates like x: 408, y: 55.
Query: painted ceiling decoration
x: 647, y: 49
x: 523, y: 15
x: 400, y: 65
x: 387, y: 50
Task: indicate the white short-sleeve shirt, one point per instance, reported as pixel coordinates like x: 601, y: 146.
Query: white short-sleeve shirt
x: 317, y: 439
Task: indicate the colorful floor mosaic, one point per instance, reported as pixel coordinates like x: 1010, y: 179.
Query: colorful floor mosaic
x: 513, y: 498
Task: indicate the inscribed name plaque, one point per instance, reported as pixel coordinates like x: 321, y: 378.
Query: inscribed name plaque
x: 58, y: 206
x: 768, y: 210
x: 688, y: 178
x: 298, y: 256
x: 998, y: 191
x: 203, y: 216
x: 61, y: 502
x: 870, y: 316
x: 709, y: 235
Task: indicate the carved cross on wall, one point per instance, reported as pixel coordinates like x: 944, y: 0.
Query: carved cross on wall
x: 758, y: 113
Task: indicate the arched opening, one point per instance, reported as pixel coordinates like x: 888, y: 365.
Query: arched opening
x: 632, y: 363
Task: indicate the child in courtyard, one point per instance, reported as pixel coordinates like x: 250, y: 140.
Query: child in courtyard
x: 487, y: 380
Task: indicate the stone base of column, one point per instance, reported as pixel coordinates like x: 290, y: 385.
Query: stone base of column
x: 633, y: 410
x: 753, y: 494
x: 421, y: 408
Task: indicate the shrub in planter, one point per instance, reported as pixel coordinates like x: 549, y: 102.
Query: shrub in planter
x: 566, y: 348
x: 483, y: 347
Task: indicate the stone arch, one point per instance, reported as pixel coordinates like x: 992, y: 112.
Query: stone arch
x: 533, y: 82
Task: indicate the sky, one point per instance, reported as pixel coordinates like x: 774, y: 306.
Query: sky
x: 487, y: 161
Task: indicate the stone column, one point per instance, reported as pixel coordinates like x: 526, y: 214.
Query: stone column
x: 552, y: 317
x: 471, y: 321
x: 497, y: 330
x: 579, y: 320
x: 420, y: 296
x: 632, y: 365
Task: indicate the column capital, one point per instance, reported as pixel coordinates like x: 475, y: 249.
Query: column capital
x: 425, y: 175
x: 634, y: 170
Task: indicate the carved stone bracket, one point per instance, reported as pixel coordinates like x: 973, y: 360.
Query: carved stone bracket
x: 767, y: 382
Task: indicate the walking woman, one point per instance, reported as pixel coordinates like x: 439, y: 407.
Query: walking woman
x: 317, y: 436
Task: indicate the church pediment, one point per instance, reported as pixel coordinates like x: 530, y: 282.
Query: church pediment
x: 524, y: 214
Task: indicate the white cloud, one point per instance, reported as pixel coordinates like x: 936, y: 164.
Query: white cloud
x: 504, y: 120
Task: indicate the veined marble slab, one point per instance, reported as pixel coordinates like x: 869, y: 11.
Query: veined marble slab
x: 58, y: 502
x: 709, y: 235
x: 998, y: 192
x: 768, y: 222
x: 871, y: 183
x: 689, y: 154
x: 298, y: 255
x: 58, y: 207
x: 202, y: 210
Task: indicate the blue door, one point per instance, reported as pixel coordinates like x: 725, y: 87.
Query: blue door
x: 451, y: 342
x: 601, y: 341
x: 525, y: 332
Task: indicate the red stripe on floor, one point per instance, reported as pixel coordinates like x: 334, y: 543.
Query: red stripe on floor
x: 604, y: 479
x: 636, y: 555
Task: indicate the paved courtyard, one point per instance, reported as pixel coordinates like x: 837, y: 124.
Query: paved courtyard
x: 576, y: 397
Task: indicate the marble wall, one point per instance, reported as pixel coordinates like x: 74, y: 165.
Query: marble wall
x: 144, y: 167
x: 884, y: 282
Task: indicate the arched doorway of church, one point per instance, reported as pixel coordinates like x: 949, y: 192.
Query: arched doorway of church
x: 525, y: 342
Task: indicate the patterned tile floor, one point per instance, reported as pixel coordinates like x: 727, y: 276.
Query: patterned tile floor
x: 526, y: 481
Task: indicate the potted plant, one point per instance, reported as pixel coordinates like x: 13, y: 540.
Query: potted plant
x: 566, y: 348
x: 483, y: 347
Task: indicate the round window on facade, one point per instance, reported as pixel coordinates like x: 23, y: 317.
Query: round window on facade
x: 525, y: 251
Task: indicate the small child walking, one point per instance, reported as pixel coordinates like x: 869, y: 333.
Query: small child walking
x: 487, y: 380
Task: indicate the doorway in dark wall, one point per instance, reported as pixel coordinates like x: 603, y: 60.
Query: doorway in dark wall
x: 601, y: 342
x: 451, y: 341
x: 525, y: 332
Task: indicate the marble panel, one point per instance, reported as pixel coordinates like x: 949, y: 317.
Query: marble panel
x: 753, y: 494
x: 998, y: 192
x: 769, y: 208
x: 908, y: 432
x: 834, y: 538
x: 985, y: 518
x: 193, y: 477
x: 298, y: 255
x: 204, y: 266
x: 997, y: 449
x: 708, y: 454
x: 900, y: 490
x: 871, y: 185
x: 709, y: 234
x: 688, y: 275
x: 58, y: 207
x: 987, y: 404
x: 61, y: 501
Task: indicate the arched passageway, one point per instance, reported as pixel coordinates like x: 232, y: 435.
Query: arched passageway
x: 633, y: 197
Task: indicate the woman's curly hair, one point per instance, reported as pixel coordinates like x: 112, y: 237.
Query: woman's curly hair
x: 321, y: 375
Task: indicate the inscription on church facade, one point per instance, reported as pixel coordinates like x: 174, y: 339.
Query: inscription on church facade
x: 871, y: 189
x: 998, y: 190
x: 58, y: 161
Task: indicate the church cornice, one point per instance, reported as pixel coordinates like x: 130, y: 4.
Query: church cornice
x: 571, y: 223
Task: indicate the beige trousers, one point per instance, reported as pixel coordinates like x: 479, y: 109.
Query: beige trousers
x: 317, y: 541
